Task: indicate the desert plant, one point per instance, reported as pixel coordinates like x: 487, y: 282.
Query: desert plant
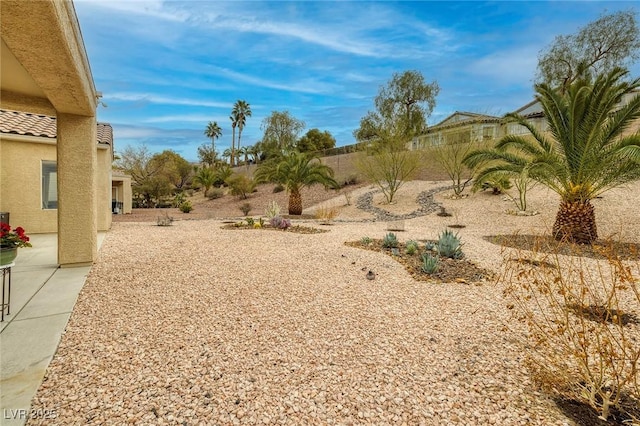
x: 295, y: 171
x: 186, y: 207
x: 240, y: 185
x: 215, y: 193
x: 279, y: 222
x: 429, y: 245
x: 278, y: 188
x: 581, y: 344
x: 250, y: 221
x: 390, y: 240
x: 179, y: 198
x: 326, y: 214
x: 498, y: 184
x: 272, y: 210
x: 584, y: 153
x: 165, y: 220
x: 449, y: 245
x: 430, y: 263
x: 245, y: 208
x: 366, y: 241
x: 205, y: 176
x: 411, y: 247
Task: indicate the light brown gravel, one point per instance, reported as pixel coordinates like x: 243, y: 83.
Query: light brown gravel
x: 193, y: 324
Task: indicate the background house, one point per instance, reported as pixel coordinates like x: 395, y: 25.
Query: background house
x: 461, y: 127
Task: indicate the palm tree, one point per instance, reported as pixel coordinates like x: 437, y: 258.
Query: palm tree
x: 226, y: 153
x: 213, y: 131
x: 295, y: 171
x: 241, y: 110
x: 244, y: 151
x: 234, y: 124
x: 585, y: 153
x: 206, y: 177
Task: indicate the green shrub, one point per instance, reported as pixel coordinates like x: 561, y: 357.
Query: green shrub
x: 240, y: 185
x: 411, y: 247
x: 179, y: 199
x: 186, y: 207
x: 250, y: 221
x: 449, y: 245
x: 390, y: 240
x: 429, y: 264
x: 216, y: 193
x: 245, y: 208
x: 366, y: 241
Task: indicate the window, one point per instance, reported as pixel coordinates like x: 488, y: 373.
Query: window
x: 49, y: 185
x: 487, y: 133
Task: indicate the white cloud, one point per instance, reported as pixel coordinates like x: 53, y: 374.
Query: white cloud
x: 513, y: 66
x: 158, y: 99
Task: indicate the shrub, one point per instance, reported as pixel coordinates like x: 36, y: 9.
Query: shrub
x: 429, y: 245
x: 581, y: 345
x: 245, y: 208
x: 366, y: 241
x: 429, y: 264
x: 278, y: 188
x: 240, y: 185
x: 165, y: 220
x: 279, y: 222
x: 411, y: 247
x: 497, y: 184
x: 272, y: 210
x: 186, y: 207
x: 179, y: 199
x: 449, y: 245
x: 216, y: 193
x: 250, y: 221
x: 326, y: 214
x: 390, y: 240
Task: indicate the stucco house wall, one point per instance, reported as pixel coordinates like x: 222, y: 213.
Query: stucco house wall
x: 26, y: 141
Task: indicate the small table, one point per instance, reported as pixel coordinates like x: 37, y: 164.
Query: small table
x: 6, y: 271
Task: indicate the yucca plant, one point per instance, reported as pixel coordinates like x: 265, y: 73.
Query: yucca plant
x: 390, y: 240
x: 585, y: 152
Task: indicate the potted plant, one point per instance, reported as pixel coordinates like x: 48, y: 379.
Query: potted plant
x: 10, y: 241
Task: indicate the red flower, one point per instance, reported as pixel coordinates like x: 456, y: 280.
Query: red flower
x: 13, y: 239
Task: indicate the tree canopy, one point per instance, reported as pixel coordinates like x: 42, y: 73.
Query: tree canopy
x: 315, y: 140
x: 281, y: 131
x: 608, y: 42
x: 401, y: 108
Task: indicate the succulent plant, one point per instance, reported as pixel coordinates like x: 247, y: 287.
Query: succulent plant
x: 279, y: 222
x: 390, y: 240
x: 411, y: 247
x: 365, y: 240
x: 449, y: 245
x: 429, y: 246
x: 429, y: 263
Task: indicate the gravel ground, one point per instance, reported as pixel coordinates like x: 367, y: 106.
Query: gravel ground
x: 193, y: 324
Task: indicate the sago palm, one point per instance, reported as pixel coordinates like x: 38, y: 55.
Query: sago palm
x: 587, y: 150
x: 206, y: 177
x: 295, y: 171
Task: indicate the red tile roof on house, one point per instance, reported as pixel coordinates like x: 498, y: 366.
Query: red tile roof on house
x: 24, y: 123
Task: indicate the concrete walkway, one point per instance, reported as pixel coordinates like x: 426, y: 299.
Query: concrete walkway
x: 42, y: 298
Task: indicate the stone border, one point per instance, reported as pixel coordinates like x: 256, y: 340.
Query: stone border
x: 424, y: 199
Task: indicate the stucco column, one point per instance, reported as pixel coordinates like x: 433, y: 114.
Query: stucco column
x: 77, y: 192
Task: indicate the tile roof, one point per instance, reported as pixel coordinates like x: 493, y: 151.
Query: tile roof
x: 24, y: 123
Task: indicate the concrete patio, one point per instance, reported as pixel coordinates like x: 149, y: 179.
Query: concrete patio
x: 42, y: 299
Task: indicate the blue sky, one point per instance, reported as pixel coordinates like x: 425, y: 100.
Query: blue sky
x: 167, y: 68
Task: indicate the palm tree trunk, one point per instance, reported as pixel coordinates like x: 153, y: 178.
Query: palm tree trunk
x: 295, y: 203
x: 575, y: 222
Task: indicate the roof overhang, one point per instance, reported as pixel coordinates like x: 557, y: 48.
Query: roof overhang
x: 44, y: 65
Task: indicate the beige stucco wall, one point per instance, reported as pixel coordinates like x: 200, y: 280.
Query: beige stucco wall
x: 103, y: 186
x: 20, y: 184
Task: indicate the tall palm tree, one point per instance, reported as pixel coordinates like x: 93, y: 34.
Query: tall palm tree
x: 234, y: 124
x: 241, y: 110
x: 295, y: 171
x: 585, y: 153
x: 213, y: 131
